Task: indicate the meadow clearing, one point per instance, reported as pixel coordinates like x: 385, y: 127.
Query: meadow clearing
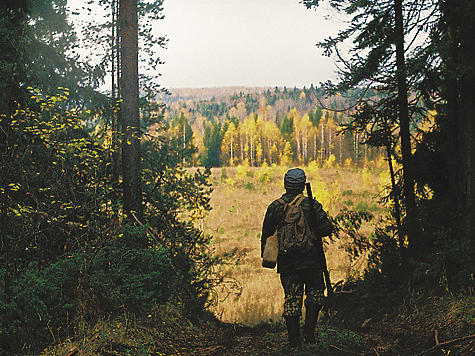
x: 239, y: 200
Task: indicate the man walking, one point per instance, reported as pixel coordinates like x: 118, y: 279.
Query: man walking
x: 300, y: 272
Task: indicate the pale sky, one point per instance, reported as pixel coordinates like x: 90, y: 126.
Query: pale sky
x: 215, y: 43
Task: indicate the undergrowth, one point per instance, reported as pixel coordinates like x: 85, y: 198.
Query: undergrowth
x: 347, y: 326
x: 165, y: 331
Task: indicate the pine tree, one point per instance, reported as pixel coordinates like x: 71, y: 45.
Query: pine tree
x: 131, y: 155
x: 379, y: 59
x: 212, y: 141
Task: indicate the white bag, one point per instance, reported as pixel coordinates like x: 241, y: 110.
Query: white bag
x: 271, y: 250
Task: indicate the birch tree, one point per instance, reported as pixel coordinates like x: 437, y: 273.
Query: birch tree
x: 230, y: 145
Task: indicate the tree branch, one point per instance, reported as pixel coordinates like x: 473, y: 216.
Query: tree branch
x: 446, y: 343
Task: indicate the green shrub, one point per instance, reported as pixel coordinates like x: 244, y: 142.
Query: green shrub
x: 249, y: 186
x: 44, y: 304
x: 224, y: 174
x: 349, y: 202
x: 362, y: 206
x: 40, y: 306
x: 135, y: 280
x: 265, y: 178
x: 374, y: 208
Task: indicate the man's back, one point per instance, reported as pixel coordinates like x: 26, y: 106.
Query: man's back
x: 273, y: 217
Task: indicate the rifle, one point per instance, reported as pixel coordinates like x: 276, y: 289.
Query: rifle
x: 318, y: 239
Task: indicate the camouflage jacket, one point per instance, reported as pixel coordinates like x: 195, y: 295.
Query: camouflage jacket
x: 273, y: 217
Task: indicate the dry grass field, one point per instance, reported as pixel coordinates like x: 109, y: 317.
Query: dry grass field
x: 239, y: 200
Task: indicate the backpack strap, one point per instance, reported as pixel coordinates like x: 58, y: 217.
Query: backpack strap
x: 302, y: 197
x: 297, y: 200
x: 280, y: 200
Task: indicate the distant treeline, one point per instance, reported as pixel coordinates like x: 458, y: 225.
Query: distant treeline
x: 272, y: 126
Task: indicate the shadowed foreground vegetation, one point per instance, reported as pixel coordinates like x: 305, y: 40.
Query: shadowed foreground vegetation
x: 365, y: 317
x: 418, y: 325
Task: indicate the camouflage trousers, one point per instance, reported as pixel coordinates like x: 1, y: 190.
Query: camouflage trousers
x: 298, y: 283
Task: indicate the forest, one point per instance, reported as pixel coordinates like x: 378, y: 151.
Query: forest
x: 104, y: 194
x: 267, y: 126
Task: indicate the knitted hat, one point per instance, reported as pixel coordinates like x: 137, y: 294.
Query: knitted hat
x: 295, y: 179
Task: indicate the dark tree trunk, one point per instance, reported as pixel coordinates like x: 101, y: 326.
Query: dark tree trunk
x: 131, y: 155
x: 411, y: 226
x: 466, y: 112
x: 115, y: 95
x: 451, y: 125
x: 395, y: 195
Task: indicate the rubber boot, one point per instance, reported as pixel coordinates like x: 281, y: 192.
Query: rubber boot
x: 311, y: 316
x: 293, y: 331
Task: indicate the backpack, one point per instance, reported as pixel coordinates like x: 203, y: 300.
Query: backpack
x: 294, y: 234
